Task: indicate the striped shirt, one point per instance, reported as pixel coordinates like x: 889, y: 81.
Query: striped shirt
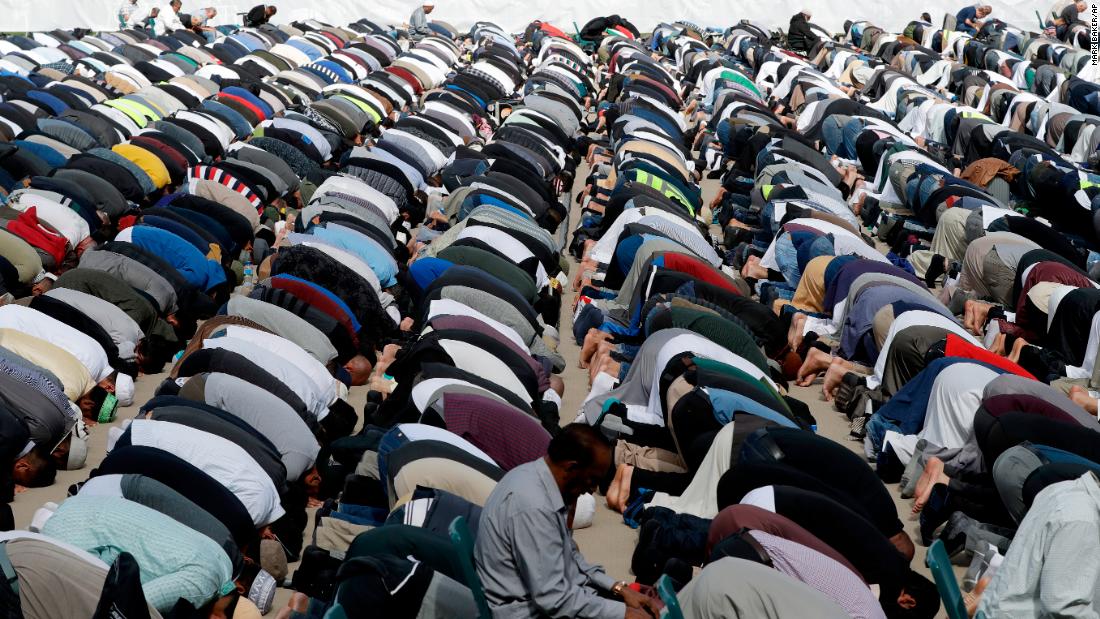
x: 826, y: 575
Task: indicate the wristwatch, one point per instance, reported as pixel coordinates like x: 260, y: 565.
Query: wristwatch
x: 618, y: 587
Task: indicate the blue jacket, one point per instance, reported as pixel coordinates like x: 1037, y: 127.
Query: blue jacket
x: 190, y: 262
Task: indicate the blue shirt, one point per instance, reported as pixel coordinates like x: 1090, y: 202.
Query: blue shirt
x: 190, y: 262
x: 969, y: 12
x: 362, y: 246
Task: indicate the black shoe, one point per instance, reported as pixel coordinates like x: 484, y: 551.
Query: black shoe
x: 647, y: 560
x: 889, y: 467
x: 858, y: 430
x: 847, y: 391
x: 871, y: 211
x: 679, y: 572
x: 937, y: 268
x: 954, y: 535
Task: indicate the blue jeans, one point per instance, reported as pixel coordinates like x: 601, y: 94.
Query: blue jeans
x: 391, y: 441
x: 832, y: 133
x: 787, y: 257
x: 770, y: 291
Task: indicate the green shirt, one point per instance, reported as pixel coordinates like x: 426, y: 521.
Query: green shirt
x: 176, y: 561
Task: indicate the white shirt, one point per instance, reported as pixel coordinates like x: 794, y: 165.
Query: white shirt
x: 130, y: 13
x: 34, y: 323
x: 450, y: 307
x: 844, y: 243
x: 125, y: 332
x: 289, y: 374
x: 763, y: 497
x: 289, y: 351
x: 422, y: 432
x: 221, y: 459
x: 284, y: 323
x: 604, y: 249
x: 508, y: 245
x: 167, y: 20
x: 355, y: 187
x: 315, y: 137
x: 223, y: 134
x: 57, y: 215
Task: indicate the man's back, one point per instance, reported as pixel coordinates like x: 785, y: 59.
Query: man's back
x: 176, y: 561
x: 1043, y: 574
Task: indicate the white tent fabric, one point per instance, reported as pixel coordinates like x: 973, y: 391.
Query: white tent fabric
x: 514, y: 15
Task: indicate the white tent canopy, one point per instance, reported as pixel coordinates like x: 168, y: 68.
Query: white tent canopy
x: 514, y: 15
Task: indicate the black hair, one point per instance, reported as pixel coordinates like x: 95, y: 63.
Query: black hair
x: 43, y: 466
x: 924, y: 594
x: 339, y: 422
x: 245, y: 577
x: 577, y: 442
x: 156, y: 351
x: 97, y: 395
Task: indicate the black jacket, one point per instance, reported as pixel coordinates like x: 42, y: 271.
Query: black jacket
x: 256, y: 17
x: 800, y: 37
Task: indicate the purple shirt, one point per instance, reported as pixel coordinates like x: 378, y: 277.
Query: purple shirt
x: 510, y: 436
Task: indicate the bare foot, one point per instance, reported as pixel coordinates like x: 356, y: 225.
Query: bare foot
x: 752, y: 269
x: 592, y: 340
x: 975, y: 315
x: 857, y: 208
x: 1017, y: 348
x: 615, y: 490
x: 1081, y: 397
x: 607, y: 366
x: 998, y: 347
x: 933, y: 474
x: 624, y: 489
x: 833, y: 377
x: 299, y: 602
x: 557, y: 384
x: 817, y: 361
x: 794, y: 334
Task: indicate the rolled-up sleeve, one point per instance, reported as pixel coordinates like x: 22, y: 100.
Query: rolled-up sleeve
x: 540, y: 554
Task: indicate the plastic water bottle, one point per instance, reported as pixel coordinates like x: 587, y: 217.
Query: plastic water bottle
x: 249, y: 279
